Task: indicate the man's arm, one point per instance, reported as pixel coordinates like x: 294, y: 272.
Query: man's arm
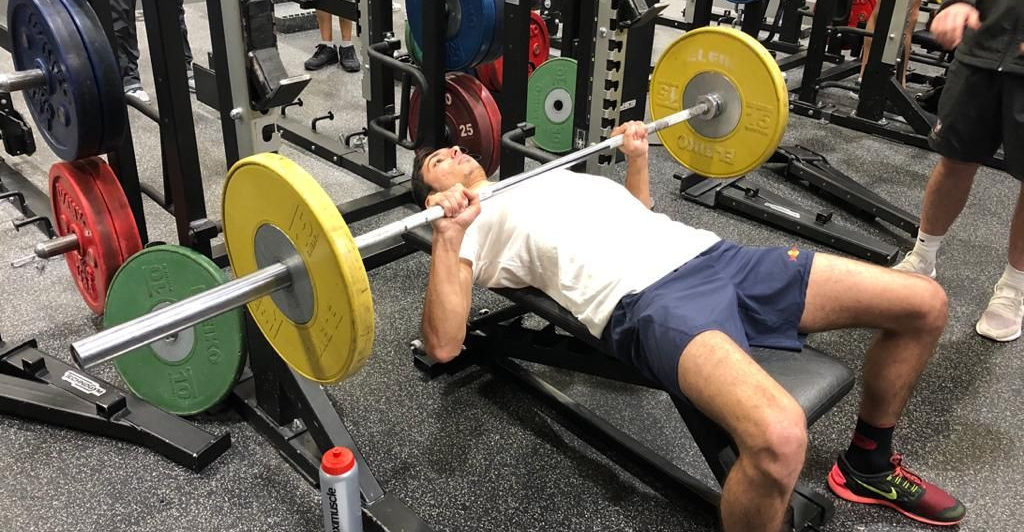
x: 450, y: 283
x: 634, y: 146
x: 638, y: 182
x: 448, y: 300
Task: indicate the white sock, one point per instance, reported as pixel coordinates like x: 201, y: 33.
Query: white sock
x: 1012, y: 277
x: 327, y: 43
x: 927, y: 246
x: 345, y: 44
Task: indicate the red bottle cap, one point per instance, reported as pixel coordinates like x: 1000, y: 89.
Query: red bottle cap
x: 338, y: 461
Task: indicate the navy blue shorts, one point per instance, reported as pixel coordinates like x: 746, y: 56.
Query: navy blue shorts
x: 754, y: 295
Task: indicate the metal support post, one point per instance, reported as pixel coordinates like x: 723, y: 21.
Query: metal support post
x: 515, y: 65
x: 177, y: 129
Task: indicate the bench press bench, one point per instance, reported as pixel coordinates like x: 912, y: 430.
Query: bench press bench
x: 817, y: 381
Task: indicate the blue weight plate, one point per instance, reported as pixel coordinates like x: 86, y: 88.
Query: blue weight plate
x: 65, y: 111
x: 497, y: 45
x: 470, y: 34
x: 106, y: 71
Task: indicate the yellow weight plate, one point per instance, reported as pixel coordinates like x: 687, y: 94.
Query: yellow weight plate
x: 734, y: 59
x: 269, y: 189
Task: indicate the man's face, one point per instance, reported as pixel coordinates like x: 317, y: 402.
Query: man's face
x: 447, y: 167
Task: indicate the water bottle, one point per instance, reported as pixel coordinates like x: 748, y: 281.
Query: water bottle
x: 339, y: 491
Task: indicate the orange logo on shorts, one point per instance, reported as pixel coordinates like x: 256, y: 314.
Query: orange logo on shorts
x: 793, y: 253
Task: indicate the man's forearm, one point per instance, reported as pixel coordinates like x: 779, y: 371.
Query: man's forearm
x: 447, y: 302
x: 638, y: 182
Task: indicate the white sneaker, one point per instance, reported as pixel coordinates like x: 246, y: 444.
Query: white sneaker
x: 138, y: 94
x: 1001, y: 320
x: 913, y: 263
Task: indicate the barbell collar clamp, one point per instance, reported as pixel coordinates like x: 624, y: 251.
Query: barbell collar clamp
x: 57, y: 246
x: 21, y: 80
x: 714, y: 105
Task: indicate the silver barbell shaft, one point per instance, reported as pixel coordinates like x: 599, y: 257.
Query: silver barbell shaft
x: 21, y: 80
x: 148, y: 328
x: 707, y: 106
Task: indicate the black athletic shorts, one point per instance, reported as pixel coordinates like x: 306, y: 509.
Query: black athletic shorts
x: 754, y: 295
x: 979, y: 110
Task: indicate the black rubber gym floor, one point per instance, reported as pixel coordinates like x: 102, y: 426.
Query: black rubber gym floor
x: 474, y: 452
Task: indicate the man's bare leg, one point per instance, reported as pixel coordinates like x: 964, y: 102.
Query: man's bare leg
x: 908, y: 30
x: 945, y: 196
x: 345, y: 25
x: 910, y: 313
x: 1016, y: 248
x: 323, y: 21
x: 767, y: 424
x: 908, y: 310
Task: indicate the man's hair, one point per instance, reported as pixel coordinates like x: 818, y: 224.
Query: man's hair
x: 420, y: 189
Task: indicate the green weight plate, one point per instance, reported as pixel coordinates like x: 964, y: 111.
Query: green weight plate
x: 413, y: 46
x: 549, y: 103
x: 198, y: 367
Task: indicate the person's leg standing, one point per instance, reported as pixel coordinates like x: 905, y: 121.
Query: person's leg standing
x: 913, y: 10
x: 325, y: 53
x: 186, y: 47
x: 967, y: 132
x: 347, y: 50
x: 1001, y: 320
x: 127, y: 46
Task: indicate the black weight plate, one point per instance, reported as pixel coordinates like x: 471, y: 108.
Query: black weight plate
x: 65, y: 111
x: 106, y: 71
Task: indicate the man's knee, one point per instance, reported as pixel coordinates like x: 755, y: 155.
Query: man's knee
x: 931, y: 308
x: 777, y: 450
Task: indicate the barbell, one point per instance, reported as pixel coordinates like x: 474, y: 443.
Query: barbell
x: 299, y: 268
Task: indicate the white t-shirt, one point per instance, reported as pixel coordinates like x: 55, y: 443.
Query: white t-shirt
x: 583, y: 240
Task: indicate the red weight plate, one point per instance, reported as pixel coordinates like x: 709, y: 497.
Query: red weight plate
x: 540, y: 41
x: 468, y: 123
x: 492, y: 75
x: 484, y: 109
x: 128, y: 239
x: 79, y: 209
x: 481, y: 97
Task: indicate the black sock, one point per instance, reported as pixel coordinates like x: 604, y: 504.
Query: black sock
x: 870, y: 449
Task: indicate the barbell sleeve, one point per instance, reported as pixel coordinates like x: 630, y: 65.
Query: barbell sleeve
x: 21, y: 80
x: 115, y: 341
x: 148, y: 328
x: 57, y: 246
x: 708, y: 106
